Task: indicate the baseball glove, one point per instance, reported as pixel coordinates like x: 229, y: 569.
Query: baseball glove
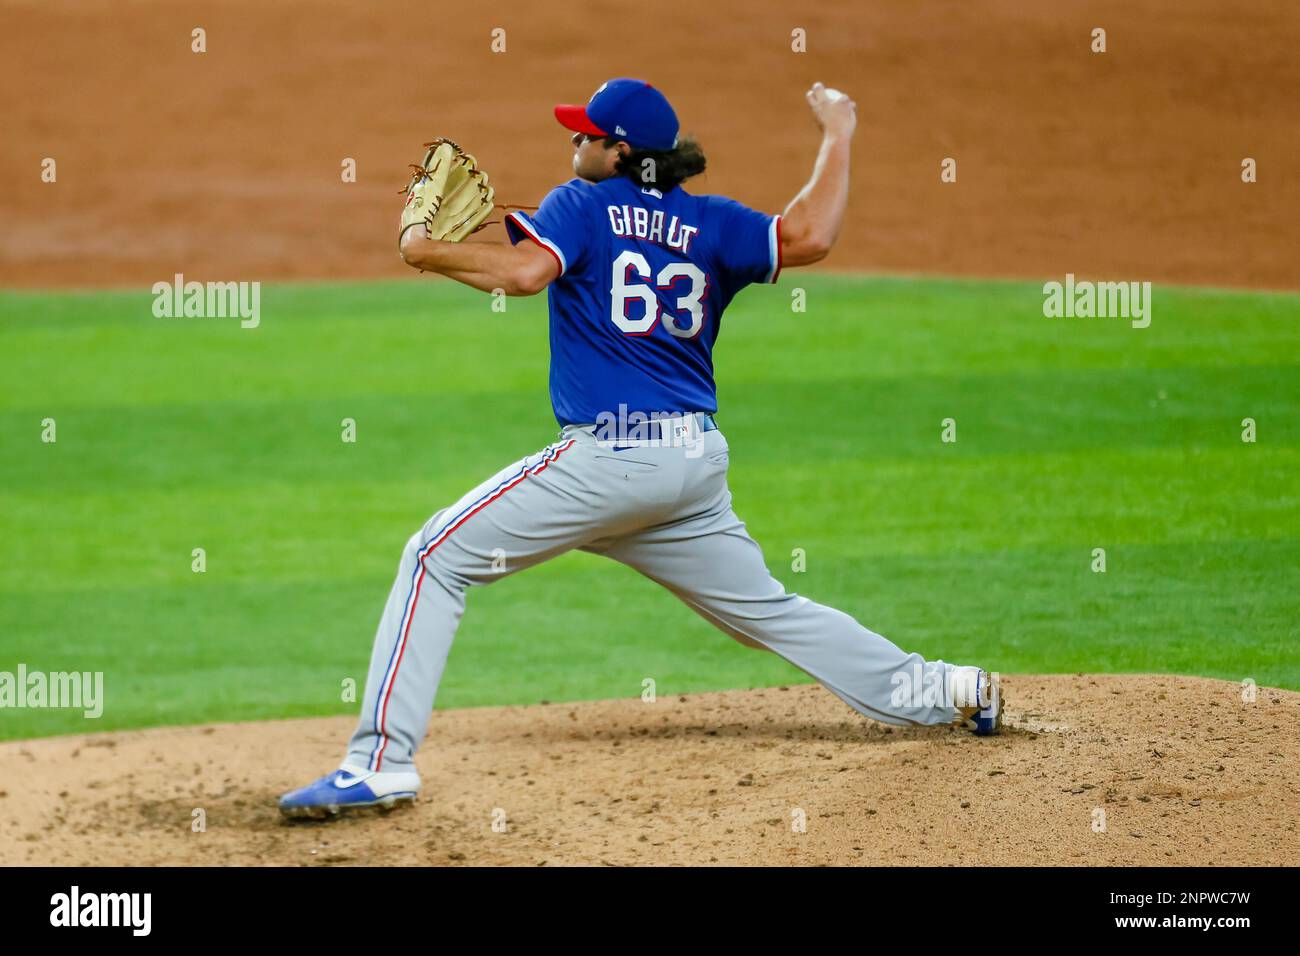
x: 448, y: 195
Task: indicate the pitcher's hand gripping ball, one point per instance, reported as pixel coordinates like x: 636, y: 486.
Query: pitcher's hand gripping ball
x: 448, y: 195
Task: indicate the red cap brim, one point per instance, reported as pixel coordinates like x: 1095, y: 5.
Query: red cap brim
x: 575, y: 118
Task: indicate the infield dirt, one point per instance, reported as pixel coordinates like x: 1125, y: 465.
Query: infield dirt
x: 1091, y: 770
x: 226, y: 165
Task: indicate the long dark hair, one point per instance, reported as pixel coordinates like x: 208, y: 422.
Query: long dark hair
x: 659, y: 168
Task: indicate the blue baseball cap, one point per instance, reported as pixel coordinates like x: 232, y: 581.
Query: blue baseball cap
x: 630, y: 110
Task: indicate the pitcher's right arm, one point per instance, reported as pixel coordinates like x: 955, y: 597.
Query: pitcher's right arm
x: 812, y: 221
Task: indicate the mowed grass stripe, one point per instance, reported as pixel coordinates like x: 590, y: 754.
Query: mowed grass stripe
x: 1007, y: 414
x: 434, y: 337
x: 286, y: 531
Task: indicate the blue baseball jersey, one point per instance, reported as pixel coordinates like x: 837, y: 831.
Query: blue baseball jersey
x: 644, y: 279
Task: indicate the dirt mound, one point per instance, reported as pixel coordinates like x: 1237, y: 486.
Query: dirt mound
x: 227, y: 164
x: 1183, y: 770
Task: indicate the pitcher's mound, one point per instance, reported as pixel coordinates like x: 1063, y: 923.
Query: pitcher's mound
x: 1090, y: 770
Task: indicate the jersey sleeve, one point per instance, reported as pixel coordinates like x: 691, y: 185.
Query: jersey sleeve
x: 561, y: 225
x: 750, y: 246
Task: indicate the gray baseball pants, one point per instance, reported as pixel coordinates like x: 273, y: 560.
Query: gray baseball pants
x: 662, y: 509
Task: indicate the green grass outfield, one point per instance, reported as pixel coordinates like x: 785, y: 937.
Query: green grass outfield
x: 1073, y: 434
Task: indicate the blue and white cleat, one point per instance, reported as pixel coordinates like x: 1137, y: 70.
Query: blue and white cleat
x: 977, y: 695
x: 350, y: 788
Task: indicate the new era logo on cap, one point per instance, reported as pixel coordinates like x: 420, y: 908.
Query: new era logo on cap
x: 621, y: 105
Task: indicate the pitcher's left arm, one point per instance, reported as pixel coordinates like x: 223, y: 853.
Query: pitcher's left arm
x: 525, y: 269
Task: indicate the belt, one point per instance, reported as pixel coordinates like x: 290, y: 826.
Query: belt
x: 649, y: 430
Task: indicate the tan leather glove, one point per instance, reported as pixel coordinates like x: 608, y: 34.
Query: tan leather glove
x: 448, y: 195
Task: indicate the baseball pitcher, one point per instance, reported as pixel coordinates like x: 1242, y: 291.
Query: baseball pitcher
x: 639, y: 272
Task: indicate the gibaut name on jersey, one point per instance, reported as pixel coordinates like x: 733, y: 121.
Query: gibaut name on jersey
x: 652, y: 226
